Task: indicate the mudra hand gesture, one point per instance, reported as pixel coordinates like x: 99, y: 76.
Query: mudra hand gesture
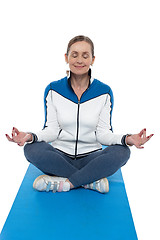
x: 139, y: 139
x: 19, y: 137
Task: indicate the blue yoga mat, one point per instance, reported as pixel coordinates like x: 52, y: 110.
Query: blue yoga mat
x: 79, y: 214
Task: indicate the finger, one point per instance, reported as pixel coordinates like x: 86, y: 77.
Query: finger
x: 144, y: 133
x: 141, y: 133
x: 146, y: 139
x: 8, y: 137
x: 16, y: 130
x: 13, y: 133
x: 14, y: 137
x: 21, y: 144
x: 149, y: 137
x: 139, y: 146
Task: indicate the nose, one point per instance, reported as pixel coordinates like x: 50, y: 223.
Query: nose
x: 79, y: 60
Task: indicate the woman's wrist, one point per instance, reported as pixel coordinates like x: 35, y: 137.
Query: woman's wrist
x: 128, y: 140
x: 30, y: 138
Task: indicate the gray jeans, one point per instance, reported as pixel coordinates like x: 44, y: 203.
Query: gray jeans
x: 88, y: 169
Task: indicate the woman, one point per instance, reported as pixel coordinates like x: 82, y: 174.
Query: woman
x: 78, y: 111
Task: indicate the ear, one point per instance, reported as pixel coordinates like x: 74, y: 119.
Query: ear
x: 66, y: 57
x: 93, y: 59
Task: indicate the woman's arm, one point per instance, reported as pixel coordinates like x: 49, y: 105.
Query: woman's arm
x: 51, y: 127
x: 104, y: 133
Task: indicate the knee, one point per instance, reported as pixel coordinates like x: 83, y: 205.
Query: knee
x: 28, y: 150
x: 124, y: 154
x: 127, y: 152
x: 36, y: 150
x: 121, y: 154
x: 31, y: 151
x: 26, y: 147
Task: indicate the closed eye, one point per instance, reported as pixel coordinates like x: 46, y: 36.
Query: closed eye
x: 85, y: 56
x: 74, y: 55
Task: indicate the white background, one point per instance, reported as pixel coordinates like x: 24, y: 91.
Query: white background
x: 126, y: 34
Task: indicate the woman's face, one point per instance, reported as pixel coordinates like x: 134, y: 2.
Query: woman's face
x: 80, y: 57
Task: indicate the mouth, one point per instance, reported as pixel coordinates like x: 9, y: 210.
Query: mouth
x: 79, y: 67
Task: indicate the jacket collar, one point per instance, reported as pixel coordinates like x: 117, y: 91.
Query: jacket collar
x: 89, y: 73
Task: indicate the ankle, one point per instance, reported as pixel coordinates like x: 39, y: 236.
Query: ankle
x: 71, y: 185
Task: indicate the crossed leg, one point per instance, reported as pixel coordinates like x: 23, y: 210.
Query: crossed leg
x: 78, y: 172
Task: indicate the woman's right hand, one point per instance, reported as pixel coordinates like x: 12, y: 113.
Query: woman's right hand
x: 19, y: 137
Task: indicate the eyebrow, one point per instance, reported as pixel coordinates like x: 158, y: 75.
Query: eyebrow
x: 77, y: 52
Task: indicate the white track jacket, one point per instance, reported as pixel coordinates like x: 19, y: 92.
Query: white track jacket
x: 78, y: 127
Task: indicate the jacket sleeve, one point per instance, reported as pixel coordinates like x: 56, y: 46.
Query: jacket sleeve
x: 104, y: 133
x: 51, y: 128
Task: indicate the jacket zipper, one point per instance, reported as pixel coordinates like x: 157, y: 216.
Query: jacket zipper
x: 77, y: 129
x: 75, y: 156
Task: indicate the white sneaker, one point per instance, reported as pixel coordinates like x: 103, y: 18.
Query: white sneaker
x: 101, y: 185
x: 47, y: 183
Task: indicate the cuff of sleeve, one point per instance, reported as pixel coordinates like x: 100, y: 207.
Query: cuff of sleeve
x: 123, y: 140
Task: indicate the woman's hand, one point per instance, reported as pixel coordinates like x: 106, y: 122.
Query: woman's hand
x: 139, y: 139
x: 19, y: 137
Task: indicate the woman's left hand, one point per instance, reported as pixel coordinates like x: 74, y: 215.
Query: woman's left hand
x: 139, y: 139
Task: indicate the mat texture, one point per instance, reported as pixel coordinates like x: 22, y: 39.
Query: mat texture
x: 79, y: 214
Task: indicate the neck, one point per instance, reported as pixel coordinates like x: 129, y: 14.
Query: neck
x: 80, y: 81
